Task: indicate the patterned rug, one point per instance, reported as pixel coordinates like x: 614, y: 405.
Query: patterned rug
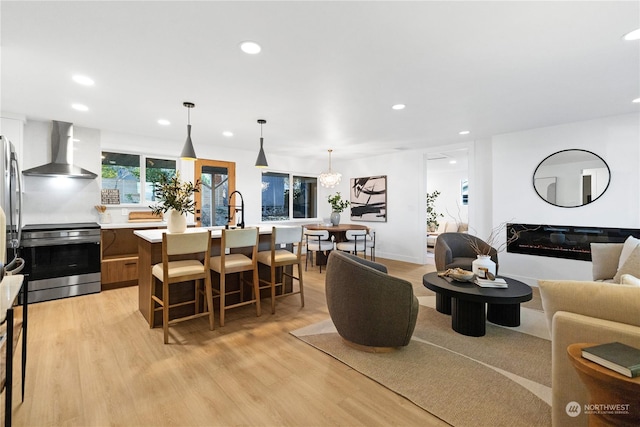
x: 500, y: 379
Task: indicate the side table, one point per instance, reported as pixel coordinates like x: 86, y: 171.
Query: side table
x: 614, y: 398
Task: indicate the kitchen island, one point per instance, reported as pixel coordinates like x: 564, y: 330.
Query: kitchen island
x: 150, y: 253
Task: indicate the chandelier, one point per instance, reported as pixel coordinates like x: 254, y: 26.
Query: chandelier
x: 329, y: 178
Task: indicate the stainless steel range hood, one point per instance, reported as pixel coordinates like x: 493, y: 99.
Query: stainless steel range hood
x: 61, y: 155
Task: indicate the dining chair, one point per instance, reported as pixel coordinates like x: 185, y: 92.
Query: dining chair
x: 356, y: 242
x: 316, y: 241
x: 277, y: 258
x: 176, y: 272
x: 370, y: 243
x: 235, y: 262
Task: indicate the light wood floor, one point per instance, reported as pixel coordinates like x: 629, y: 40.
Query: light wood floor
x: 93, y: 361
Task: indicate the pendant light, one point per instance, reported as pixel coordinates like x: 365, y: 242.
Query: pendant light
x: 329, y: 178
x: 261, y: 161
x: 188, y: 153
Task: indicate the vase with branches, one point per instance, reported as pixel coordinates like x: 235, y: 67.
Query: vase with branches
x: 175, y: 197
x: 432, y: 215
x: 337, y: 206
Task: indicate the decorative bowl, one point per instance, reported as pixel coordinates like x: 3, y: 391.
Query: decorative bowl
x: 460, y: 275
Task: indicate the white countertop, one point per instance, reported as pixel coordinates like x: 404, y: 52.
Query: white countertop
x: 155, y: 235
x: 147, y: 224
x: 9, y: 288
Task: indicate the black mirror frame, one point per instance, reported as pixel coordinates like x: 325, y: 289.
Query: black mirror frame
x: 533, y: 179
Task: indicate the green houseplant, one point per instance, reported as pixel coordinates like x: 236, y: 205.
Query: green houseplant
x: 175, y: 197
x: 432, y: 215
x: 337, y: 206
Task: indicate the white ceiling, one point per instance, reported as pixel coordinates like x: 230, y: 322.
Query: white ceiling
x: 328, y: 72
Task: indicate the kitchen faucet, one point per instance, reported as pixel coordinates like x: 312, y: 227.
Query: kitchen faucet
x: 241, y: 210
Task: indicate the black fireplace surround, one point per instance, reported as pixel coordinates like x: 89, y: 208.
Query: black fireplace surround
x: 562, y: 241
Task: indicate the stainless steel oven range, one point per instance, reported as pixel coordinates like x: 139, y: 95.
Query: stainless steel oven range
x: 62, y: 260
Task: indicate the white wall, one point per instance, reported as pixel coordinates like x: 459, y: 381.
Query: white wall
x: 515, y: 157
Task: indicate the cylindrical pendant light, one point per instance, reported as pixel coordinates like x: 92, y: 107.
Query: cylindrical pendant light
x: 261, y: 162
x: 188, y: 153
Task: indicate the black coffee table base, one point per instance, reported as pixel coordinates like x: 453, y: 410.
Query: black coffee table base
x: 468, y: 317
x: 471, y: 306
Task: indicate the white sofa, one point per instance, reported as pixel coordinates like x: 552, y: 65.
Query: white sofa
x: 590, y: 311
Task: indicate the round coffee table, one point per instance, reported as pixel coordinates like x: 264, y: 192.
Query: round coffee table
x: 465, y: 302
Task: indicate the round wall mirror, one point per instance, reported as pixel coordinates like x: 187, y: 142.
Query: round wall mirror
x: 571, y: 178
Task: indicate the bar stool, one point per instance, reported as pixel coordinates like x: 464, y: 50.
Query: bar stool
x: 370, y: 243
x: 277, y: 258
x: 239, y: 238
x: 179, y: 271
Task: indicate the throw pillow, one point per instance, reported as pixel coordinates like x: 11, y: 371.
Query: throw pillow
x: 628, y: 279
x: 630, y: 266
x: 629, y: 245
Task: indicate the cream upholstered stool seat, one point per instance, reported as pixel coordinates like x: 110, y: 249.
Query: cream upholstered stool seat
x: 223, y: 264
x: 179, y: 271
x: 277, y: 258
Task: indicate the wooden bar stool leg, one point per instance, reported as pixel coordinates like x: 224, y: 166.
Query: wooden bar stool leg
x: 256, y: 290
x: 273, y: 289
x: 152, y: 303
x: 222, y: 292
x: 165, y: 309
x: 209, y: 301
x: 300, y: 283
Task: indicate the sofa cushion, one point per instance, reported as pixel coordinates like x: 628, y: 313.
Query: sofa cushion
x: 629, y: 245
x: 605, y: 257
x: 618, y: 303
x: 628, y: 279
x: 630, y: 266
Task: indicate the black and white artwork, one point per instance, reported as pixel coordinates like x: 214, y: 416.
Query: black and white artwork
x: 369, y: 198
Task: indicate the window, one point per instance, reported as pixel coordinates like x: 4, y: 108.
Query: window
x: 280, y: 203
x: 125, y: 172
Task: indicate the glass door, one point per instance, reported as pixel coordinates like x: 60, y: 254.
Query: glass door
x: 212, y: 202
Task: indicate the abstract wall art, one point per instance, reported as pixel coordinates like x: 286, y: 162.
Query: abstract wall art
x: 369, y: 198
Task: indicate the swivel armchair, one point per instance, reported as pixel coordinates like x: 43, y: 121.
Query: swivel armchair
x: 454, y: 250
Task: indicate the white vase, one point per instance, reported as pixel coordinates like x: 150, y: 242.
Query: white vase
x: 483, y: 262
x: 176, y: 222
x: 335, y: 218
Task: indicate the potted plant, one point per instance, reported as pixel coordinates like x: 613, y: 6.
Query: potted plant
x: 175, y: 197
x: 432, y: 215
x: 337, y: 206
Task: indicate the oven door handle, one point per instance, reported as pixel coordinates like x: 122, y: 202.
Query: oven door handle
x: 59, y: 241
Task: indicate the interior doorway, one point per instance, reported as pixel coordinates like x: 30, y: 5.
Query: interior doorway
x: 447, y: 173
x: 212, y: 201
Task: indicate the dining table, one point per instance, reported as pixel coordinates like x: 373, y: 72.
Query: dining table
x: 338, y: 231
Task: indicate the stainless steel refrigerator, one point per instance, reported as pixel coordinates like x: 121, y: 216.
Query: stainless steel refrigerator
x: 11, y: 205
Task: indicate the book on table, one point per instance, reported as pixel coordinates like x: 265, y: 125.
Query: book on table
x: 619, y: 357
x: 486, y: 283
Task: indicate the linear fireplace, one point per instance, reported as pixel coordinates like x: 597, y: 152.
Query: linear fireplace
x: 562, y: 241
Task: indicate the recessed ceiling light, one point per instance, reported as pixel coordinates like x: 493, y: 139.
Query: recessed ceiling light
x: 83, y: 80
x: 250, y: 47
x: 227, y: 133
x: 464, y: 132
x: 452, y: 162
x: 637, y: 100
x: 164, y: 122
x: 80, y: 107
x: 398, y: 107
x: 633, y: 35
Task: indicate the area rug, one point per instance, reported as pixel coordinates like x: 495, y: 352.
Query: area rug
x: 500, y: 379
